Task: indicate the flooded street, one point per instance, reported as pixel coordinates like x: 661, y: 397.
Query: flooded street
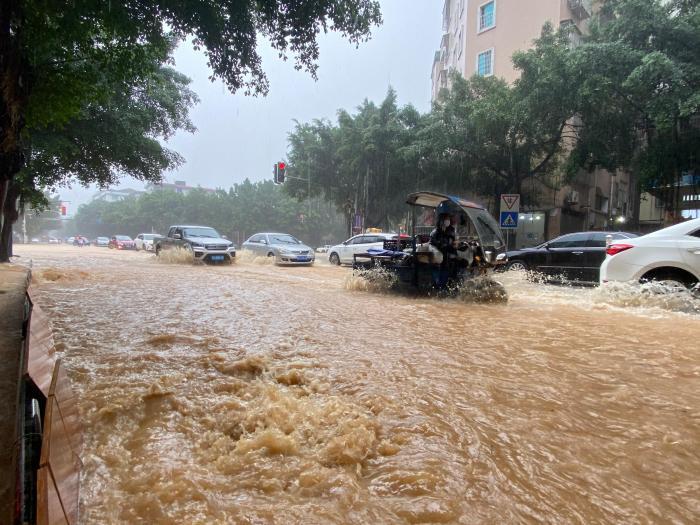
x: 260, y: 394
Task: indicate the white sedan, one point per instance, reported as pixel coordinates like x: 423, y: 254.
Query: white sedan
x: 671, y: 254
x: 144, y: 241
x: 343, y: 253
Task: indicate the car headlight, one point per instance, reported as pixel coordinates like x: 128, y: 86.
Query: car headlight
x: 197, y: 245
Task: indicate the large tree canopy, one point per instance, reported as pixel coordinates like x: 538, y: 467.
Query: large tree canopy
x: 627, y: 97
x: 482, y: 138
x: 361, y: 164
x: 58, y: 58
x: 639, y: 90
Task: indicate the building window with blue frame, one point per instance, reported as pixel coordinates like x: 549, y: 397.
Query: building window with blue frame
x: 487, y: 15
x: 484, y: 63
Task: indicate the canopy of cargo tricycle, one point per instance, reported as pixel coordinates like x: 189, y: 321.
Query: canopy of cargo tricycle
x: 474, y: 219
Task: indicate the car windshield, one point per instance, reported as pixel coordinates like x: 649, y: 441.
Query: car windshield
x: 122, y: 237
x: 283, y: 239
x: 148, y: 236
x: 102, y: 239
x: 201, y: 232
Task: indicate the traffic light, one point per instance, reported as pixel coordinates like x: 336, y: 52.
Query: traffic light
x: 279, y: 171
x: 64, y: 210
x: 281, y: 168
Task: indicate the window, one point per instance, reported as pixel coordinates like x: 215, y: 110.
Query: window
x: 597, y: 240
x: 573, y: 240
x: 484, y: 63
x: 487, y: 16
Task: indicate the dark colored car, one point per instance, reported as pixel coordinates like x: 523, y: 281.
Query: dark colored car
x: 571, y: 257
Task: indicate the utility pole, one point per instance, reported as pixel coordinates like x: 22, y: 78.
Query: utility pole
x: 24, y: 226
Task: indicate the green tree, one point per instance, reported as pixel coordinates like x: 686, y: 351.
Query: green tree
x: 104, y: 141
x: 639, y: 91
x: 42, y: 218
x: 361, y: 164
x: 495, y: 136
x: 59, y: 57
x: 245, y: 209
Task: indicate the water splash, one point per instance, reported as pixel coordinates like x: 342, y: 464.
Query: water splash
x: 482, y: 289
x: 59, y: 275
x: 250, y: 257
x: 175, y: 255
x: 658, y: 295
x: 651, y: 298
x: 377, y: 280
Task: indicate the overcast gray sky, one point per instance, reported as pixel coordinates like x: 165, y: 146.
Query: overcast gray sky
x: 241, y: 137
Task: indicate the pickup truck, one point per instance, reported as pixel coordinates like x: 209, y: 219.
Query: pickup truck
x: 205, y: 243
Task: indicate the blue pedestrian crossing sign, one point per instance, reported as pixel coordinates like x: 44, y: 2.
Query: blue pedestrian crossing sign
x: 509, y: 219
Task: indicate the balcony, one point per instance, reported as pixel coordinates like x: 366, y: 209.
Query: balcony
x: 581, y: 9
x: 446, y: 16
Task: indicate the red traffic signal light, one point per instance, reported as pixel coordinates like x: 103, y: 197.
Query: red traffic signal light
x: 64, y: 210
x: 280, y: 168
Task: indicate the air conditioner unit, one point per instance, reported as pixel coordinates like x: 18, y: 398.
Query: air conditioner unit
x: 572, y: 197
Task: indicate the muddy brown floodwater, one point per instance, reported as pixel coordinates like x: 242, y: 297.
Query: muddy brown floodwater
x: 259, y: 394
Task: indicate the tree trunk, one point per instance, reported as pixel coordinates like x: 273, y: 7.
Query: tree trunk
x: 15, y: 85
x: 10, y: 214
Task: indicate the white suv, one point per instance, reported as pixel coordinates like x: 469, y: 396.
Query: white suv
x: 343, y: 253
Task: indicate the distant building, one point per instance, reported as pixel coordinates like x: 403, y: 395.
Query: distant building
x: 480, y: 36
x: 179, y: 186
x: 111, y: 195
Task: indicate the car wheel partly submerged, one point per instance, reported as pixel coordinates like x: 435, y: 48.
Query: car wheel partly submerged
x: 516, y: 266
x: 334, y: 259
x: 670, y: 282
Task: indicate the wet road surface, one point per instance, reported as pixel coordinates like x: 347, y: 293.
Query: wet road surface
x: 260, y: 394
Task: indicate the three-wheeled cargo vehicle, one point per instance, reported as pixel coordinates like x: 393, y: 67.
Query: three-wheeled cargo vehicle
x: 418, y: 262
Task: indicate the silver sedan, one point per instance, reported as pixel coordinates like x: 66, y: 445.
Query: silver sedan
x: 285, y: 248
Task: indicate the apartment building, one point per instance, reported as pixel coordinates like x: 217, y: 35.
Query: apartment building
x: 479, y: 38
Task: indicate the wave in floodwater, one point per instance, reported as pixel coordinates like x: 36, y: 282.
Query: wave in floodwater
x: 481, y: 289
x: 261, y: 425
x: 59, y: 275
x: 376, y: 280
x: 661, y: 296
x: 175, y: 255
x: 250, y: 257
x: 651, y: 298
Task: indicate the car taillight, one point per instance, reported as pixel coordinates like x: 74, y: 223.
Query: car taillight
x: 617, y: 248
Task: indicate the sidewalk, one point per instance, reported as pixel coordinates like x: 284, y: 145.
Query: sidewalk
x: 13, y: 286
